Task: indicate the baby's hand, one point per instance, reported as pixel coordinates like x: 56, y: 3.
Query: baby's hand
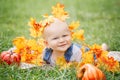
x: 105, y: 47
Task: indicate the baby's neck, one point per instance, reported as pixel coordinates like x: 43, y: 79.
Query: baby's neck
x: 57, y: 54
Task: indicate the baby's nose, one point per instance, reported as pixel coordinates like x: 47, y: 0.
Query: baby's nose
x: 61, y: 40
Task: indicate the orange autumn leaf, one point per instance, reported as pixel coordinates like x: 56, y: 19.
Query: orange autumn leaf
x: 97, y: 50
x: 88, y: 57
x: 61, y: 61
x: 58, y: 12
x: 34, y: 34
x: 79, y: 35
x: 35, y: 30
x: 110, y: 64
x: 74, y: 25
x: 36, y: 26
x: 19, y: 42
x: 47, y: 20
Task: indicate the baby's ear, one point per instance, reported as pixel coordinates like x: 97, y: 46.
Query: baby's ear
x: 46, y: 43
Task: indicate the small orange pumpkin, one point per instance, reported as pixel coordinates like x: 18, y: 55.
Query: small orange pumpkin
x: 90, y: 72
x: 10, y: 57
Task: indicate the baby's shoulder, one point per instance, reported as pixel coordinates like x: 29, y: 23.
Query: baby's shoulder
x: 76, y: 53
x: 76, y: 48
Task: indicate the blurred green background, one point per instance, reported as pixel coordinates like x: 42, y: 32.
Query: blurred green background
x: 99, y: 18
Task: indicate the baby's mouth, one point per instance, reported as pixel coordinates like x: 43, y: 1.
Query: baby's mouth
x: 62, y: 45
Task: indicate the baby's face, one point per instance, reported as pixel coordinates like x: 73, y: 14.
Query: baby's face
x: 58, y: 36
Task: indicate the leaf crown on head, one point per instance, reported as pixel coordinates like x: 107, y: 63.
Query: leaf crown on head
x: 59, y: 13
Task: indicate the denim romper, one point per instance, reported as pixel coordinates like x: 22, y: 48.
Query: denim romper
x: 71, y: 54
x: 68, y: 54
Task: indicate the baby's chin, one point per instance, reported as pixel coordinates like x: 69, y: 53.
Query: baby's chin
x: 63, y: 49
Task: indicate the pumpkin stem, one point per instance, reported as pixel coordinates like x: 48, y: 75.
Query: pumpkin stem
x: 83, y: 70
x: 81, y: 73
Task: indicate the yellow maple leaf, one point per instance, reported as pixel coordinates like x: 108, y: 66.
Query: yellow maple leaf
x: 34, y: 33
x: 19, y: 42
x: 88, y: 57
x: 35, y: 30
x: 58, y: 12
x: 79, y: 35
x: 47, y: 20
x: 74, y: 25
x: 61, y: 61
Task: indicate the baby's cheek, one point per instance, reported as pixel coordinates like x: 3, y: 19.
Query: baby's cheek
x: 69, y: 38
x: 54, y: 43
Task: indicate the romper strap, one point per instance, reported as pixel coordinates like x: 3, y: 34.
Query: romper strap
x: 48, y: 52
x: 68, y: 53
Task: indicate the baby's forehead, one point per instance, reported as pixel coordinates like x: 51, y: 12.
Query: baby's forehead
x: 56, y: 25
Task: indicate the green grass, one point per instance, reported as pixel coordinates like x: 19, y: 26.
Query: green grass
x: 14, y: 73
x: 99, y: 18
